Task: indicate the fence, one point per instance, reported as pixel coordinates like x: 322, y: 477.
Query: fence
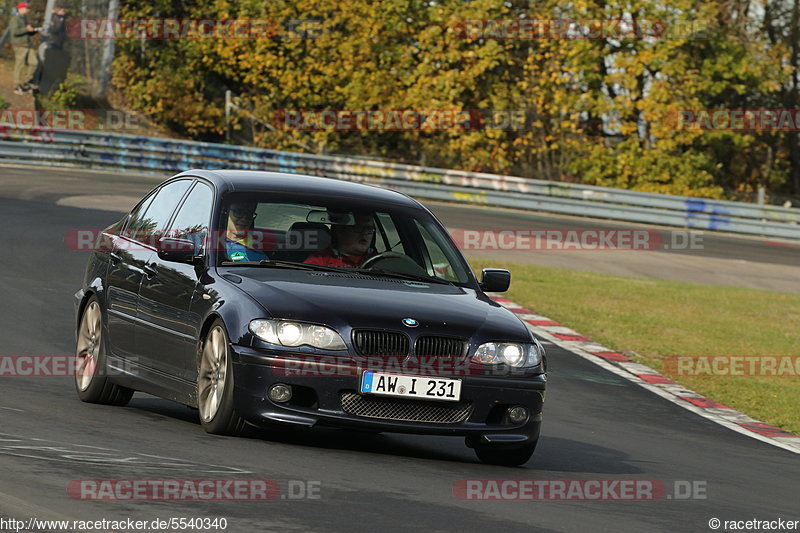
x: 86, y: 149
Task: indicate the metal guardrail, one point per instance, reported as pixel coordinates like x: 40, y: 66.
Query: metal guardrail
x: 129, y: 152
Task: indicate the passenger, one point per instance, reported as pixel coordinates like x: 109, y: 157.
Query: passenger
x: 351, y: 246
x: 239, y: 242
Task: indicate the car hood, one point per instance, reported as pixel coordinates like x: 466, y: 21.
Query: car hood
x: 345, y: 301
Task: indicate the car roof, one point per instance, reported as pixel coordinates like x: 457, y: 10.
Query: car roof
x: 262, y: 181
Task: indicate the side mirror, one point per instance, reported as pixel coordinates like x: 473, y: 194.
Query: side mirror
x: 176, y: 250
x: 495, y: 280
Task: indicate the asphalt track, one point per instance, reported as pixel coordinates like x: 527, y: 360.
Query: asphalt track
x: 718, y: 259
x: 596, y: 426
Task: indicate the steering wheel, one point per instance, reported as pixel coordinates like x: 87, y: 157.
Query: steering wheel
x: 394, y: 262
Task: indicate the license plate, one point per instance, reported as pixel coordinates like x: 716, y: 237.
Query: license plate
x: 417, y: 387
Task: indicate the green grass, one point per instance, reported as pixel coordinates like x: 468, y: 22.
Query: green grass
x: 658, y: 319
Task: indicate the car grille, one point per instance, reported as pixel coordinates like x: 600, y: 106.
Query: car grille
x: 440, y: 346
x: 369, y: 342
x: 405, y: 410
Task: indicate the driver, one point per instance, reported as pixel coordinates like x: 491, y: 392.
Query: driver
x: 351, y: 245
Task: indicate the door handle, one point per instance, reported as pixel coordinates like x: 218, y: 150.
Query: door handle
x: 150, y: 270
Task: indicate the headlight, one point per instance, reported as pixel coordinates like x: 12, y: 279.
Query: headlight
x: 535, y: 353
x: 289, y: 333
x: 509, y: 353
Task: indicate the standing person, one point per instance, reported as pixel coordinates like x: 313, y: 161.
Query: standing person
x: 55, y: 59
x: 25, y: 60
x: 57, y: 31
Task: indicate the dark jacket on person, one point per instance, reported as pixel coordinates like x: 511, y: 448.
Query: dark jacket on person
x: 19, y: 35
x: 57, y: 31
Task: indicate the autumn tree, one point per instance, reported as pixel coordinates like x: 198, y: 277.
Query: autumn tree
x: 598, y: 106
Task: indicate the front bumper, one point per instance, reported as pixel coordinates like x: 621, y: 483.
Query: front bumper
x: 318, y: 401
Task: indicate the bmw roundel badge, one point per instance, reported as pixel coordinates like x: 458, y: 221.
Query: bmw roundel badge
x: 410, y: 322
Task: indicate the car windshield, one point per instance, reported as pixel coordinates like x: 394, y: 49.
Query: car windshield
x: 399, y: 242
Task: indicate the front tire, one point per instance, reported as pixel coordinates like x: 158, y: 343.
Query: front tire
x: 506, y: 456
x: 215, y: 385
x: 91, y: 373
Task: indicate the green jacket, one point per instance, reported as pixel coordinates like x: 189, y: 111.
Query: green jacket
x: 19, y: 36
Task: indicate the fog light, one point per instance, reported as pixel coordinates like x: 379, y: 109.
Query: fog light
x: 517, y: 414
x: 280, y: 393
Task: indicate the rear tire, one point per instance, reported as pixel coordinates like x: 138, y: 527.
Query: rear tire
x: 215, y: 385
x: 91, y: 373
x: 506, y: 456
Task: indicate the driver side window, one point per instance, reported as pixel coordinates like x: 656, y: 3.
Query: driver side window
x: 440, y: 266
x: 387, y: 238
x: 152, y: 225
x: 135, y: 225
x: 194, y: 217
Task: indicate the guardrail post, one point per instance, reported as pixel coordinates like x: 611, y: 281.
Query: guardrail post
x: 108, y: 49
x: 228, y: 103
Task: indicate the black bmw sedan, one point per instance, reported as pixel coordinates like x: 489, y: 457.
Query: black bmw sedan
x: 267, y: 299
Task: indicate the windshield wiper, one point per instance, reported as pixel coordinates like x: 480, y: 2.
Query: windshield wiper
x: 305, y: 266
x: 390, y: 274
x: 281, y: 264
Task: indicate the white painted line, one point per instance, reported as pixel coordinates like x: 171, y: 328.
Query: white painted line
x: 561, y: 330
